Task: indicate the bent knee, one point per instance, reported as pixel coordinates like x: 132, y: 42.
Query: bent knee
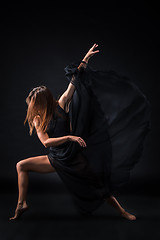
x: 20, y: 166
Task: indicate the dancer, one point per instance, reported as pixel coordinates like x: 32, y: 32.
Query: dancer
x: 94, y: 131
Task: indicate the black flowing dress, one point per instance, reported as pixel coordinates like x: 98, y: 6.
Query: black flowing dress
x: 113, y: 116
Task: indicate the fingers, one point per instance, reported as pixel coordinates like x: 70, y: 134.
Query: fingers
x: 36, y: 120
x: 81, y: 142
x: 96, y: 51
x: 92, y: 51
x: 94, y: 46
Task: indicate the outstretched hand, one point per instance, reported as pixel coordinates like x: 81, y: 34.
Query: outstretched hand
x: 91, y: 52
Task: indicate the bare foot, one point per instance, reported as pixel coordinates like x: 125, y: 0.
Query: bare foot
x: 21, y: 207
x: 127, y: 215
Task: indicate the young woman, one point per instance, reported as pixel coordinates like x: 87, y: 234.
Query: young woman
x: 94, y: 131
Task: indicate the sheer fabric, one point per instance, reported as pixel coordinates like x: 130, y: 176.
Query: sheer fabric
x: 112, y: 115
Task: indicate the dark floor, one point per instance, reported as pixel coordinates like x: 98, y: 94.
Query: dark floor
x: 52, y: 215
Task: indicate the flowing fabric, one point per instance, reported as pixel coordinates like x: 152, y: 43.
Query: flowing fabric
x: 112, y: 115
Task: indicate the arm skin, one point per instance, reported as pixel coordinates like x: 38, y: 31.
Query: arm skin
x: 49, y: 142
x: 64, y: 102
x: 44, y: 138
x: 66, y: 97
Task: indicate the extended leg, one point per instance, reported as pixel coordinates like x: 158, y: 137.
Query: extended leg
x: 39, y: 164
x: 113, y: 202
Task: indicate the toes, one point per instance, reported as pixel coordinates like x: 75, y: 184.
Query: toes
x: 128, y: 216
x: 12, y: 218
x: 134, y: 218
x: 18, y: 212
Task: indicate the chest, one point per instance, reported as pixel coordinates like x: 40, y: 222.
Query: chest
x: 59, y: 126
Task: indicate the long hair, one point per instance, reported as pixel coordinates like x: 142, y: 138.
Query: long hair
x: 40, y: 102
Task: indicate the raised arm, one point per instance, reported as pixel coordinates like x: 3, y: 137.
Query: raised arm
x: 66, y: 97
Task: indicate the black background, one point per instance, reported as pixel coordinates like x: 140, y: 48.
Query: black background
x: 38, y: 42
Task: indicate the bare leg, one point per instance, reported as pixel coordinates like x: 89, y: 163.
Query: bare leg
x: 39, y: 164
x: 113, y: 202
x: 22, y: 185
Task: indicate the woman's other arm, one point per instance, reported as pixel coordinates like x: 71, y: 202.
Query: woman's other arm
x: 44, y: 138
x: 51, y: 142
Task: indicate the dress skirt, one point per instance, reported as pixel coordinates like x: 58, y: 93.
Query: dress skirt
x: 113, y: 116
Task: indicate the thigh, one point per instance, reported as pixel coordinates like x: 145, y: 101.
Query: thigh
x: 37, y: 164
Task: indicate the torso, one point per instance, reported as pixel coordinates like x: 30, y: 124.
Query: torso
x: 59, y: 126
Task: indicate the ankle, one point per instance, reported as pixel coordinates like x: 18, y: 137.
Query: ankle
x: 22, y: 202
